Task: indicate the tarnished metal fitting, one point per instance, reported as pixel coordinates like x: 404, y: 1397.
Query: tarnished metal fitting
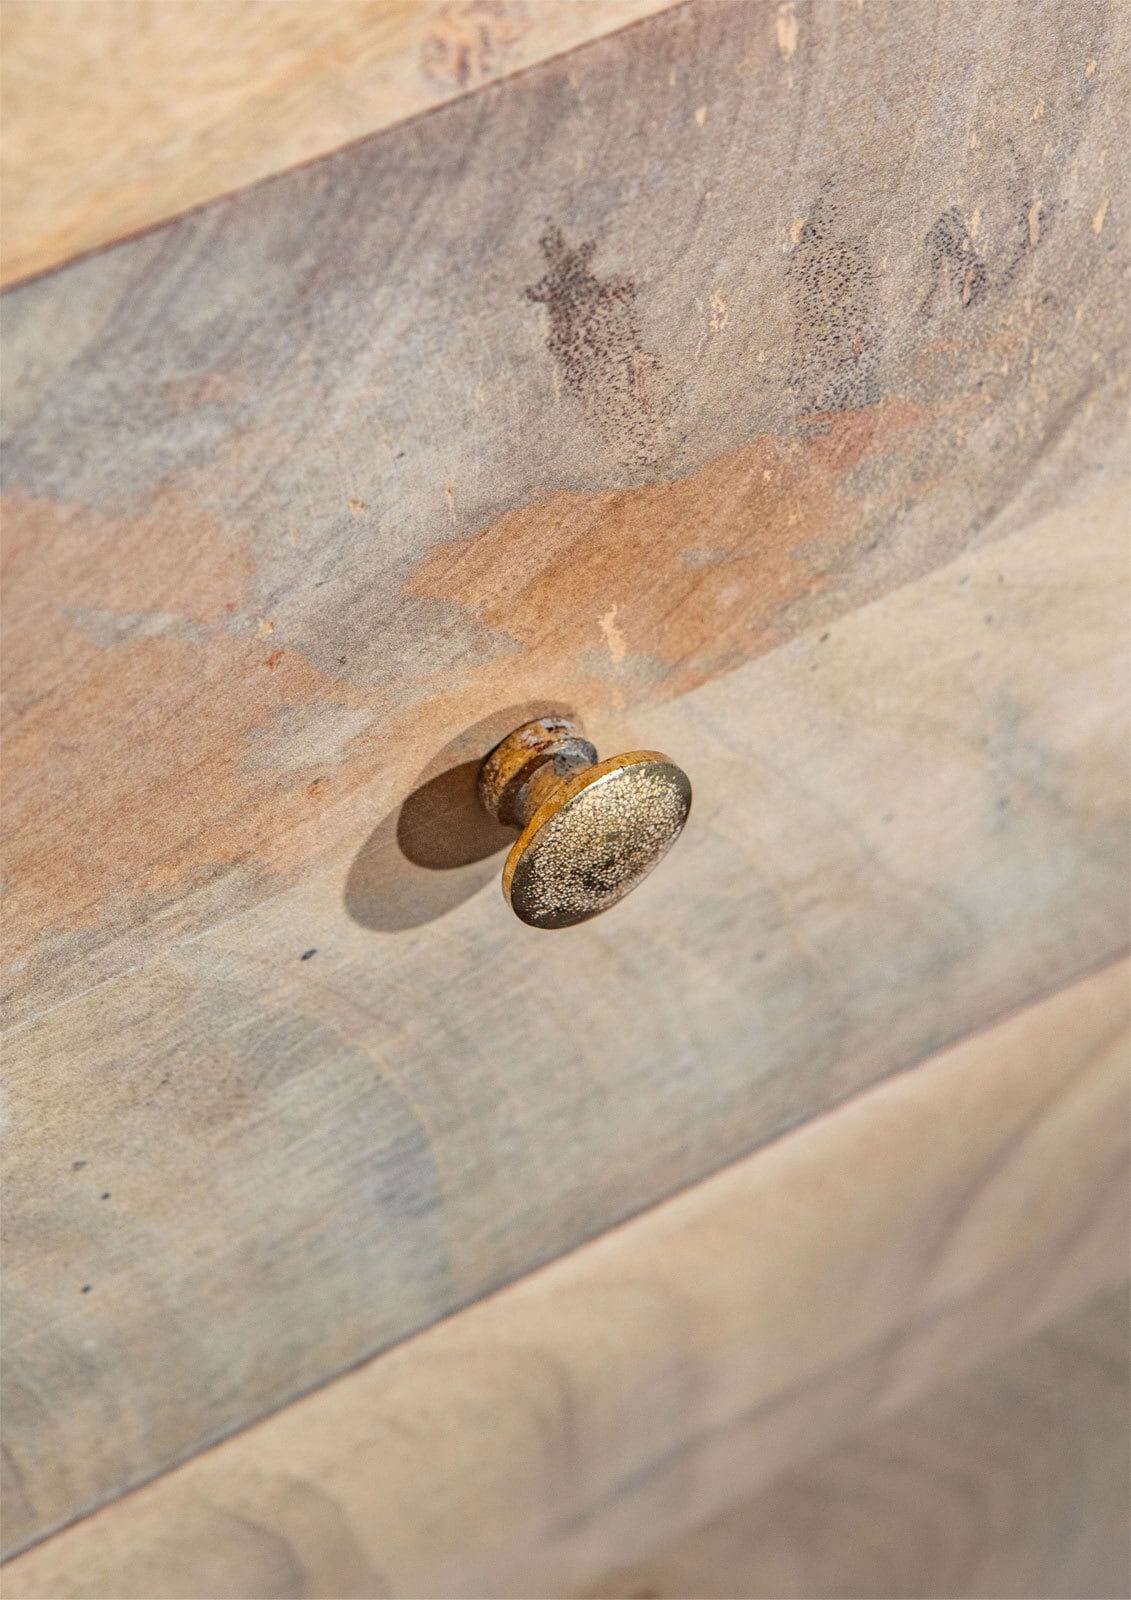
x: 591, y: 830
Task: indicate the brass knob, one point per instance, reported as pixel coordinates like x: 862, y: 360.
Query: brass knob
x: 591, y: 830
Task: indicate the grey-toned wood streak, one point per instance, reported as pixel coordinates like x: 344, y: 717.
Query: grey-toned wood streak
x: 901, y: 829
x: 634, y: 1389
x: 661, y: 385
x: 1012, y: 1482
x: 588, y: 387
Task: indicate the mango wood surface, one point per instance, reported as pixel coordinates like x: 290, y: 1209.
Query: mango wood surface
x: 586, y: 389
x: 628, y: 1392
x: 184, y: 100
x: 1012, y: 1481
x: 659, y: 384
x: 313, y: 1129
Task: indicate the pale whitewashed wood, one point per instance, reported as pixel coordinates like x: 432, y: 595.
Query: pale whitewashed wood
x: 899, y: 831
x: 626, y: 1393
x: 185, y: 100
x: 1014, y: 1481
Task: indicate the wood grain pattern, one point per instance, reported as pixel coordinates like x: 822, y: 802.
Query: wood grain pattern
x: 185, y: 100
x: 900, y: 829
x: 676, y: 1364
x: 301, y: 487
x: 701, y: 390
x: 1014, y: 1481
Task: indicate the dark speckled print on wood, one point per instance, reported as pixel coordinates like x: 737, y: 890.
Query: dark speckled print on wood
x: 831, y: 276
x: 595, y: 341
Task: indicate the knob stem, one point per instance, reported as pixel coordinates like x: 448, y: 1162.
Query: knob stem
x: 530, y: 766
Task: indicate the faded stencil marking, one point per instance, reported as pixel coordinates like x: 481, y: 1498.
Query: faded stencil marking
x: 962, y: 273
x: 595, y: 341
x: 954, y: 260
x: 470, y: 44
x: 834, y: 364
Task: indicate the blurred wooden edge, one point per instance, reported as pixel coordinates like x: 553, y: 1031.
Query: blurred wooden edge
x: 1011, y: 1480
x: 629, y: 1392
x: 118, y: 115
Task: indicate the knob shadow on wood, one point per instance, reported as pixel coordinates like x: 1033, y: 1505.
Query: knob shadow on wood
x: 442, y: 826
x: 437, y: 847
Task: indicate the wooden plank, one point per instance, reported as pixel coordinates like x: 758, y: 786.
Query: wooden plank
x: 1013, y: 1481
x: 185, y: 100
x: 664, y: 1371
x: 307, y: 485
x: 901, y: 830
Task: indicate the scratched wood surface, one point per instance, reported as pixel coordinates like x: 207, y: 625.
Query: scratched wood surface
x: 751, y: 384
x: 185, y: 100
x: 634, y: 1389
x: 1013, y: 1481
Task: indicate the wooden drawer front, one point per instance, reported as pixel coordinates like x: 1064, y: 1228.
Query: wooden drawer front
x: 749, y: 384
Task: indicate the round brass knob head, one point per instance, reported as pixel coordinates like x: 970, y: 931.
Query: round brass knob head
x: 591, y: 831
